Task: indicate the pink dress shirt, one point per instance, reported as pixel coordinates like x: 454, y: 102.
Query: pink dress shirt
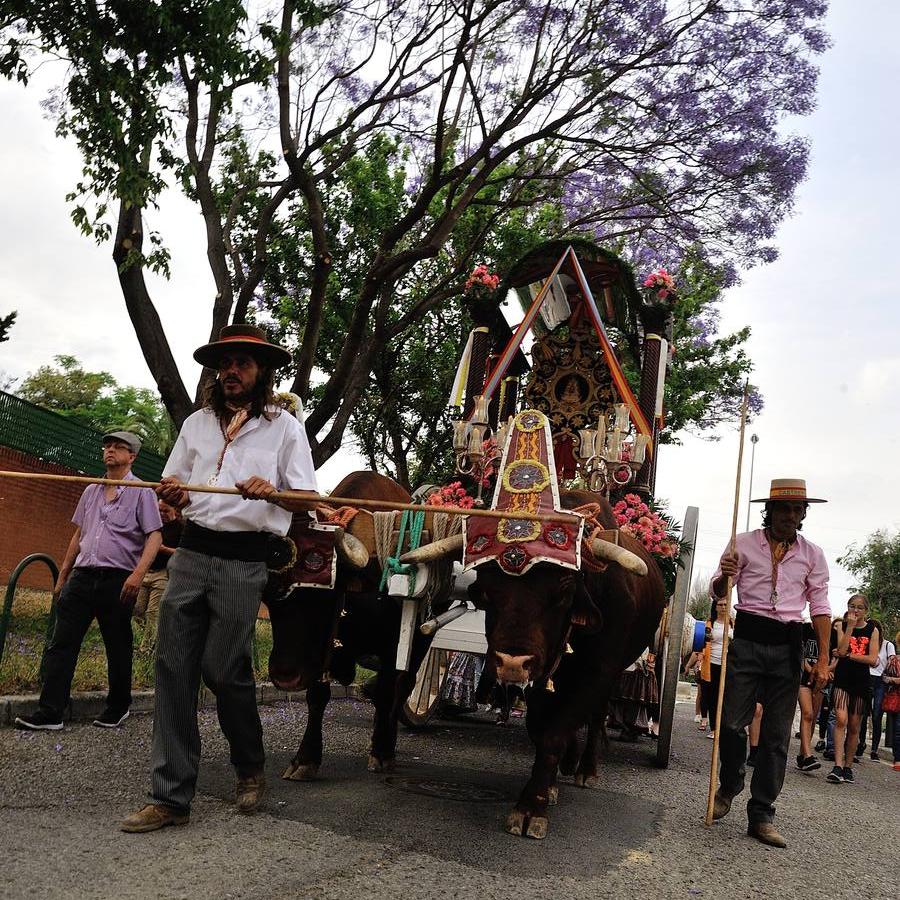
x: 802, y: 579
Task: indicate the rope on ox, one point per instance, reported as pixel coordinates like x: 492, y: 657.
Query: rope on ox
x: 714, y: 764
x: 416, y: 524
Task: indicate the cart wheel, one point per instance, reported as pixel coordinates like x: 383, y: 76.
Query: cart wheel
x: 672, y: 640
x: 425, y: 698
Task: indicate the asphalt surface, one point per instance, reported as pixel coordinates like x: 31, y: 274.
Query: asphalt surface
x: 431, y: 829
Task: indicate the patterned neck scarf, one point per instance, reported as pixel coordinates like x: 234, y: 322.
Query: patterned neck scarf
x: 238, y: 418
x: 229, y: 433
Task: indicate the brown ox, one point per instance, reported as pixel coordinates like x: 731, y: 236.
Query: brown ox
x: 606, y: 618
x: 319, y: 633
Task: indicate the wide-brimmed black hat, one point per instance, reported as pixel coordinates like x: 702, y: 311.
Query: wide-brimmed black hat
x: 247, y: 338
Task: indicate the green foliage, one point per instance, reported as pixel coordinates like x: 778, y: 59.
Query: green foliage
x: 699, y: 602
x: 66, y: 387
x: 6, y: 322
x: 117, y: 100
x: 96, y: 400
x: 876, y: 565
x: 400, y: 423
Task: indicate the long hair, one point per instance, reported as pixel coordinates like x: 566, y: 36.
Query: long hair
x: 262, y: 395
x: 767, y: 515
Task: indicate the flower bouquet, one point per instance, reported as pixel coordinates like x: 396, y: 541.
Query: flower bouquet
x: 481, y: 284
x: 453, y: 494
x: 659, y: 533
x: 659, y: 287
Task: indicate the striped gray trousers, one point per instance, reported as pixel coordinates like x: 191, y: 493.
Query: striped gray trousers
x: 206, y: 621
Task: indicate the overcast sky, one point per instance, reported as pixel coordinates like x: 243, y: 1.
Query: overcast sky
x: 825, y: 317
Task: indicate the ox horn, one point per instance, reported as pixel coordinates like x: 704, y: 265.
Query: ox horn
x: 611, y: 552
x: 350, y: 550
x: 448, y: 546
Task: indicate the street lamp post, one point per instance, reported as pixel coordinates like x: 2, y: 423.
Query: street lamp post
x: 753, y: 441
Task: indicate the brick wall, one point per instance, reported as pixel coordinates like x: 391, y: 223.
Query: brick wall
x: 35, y: 517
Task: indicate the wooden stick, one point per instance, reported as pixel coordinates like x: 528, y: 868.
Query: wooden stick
x: 714, y: 765
x: 432, y: 625
x: 301, y: 495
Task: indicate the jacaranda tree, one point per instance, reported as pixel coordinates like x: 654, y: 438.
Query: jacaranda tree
x: 656, y: 125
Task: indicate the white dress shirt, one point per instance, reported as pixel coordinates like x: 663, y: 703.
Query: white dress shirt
x: 275, y: 449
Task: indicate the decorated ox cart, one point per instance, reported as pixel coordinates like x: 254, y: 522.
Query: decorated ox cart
x: 567, y: 563
x: 581, y: 312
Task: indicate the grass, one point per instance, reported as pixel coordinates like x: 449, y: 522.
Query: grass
x: 25, y: 642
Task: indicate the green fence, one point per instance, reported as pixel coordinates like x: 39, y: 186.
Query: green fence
x: 57, y: 439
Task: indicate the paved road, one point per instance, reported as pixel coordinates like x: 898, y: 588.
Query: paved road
x: 430, y: 830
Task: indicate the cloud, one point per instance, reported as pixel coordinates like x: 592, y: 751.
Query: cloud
x: 878, y: 379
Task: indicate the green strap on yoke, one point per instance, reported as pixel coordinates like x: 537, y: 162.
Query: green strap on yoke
x: 415, y: 521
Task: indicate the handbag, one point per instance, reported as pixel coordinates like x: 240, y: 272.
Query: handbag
x: 891, y: 701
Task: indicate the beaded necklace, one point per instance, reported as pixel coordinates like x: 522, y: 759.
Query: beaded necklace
x: 778, y: 549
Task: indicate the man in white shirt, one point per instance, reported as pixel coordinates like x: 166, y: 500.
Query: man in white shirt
x: 240, y: 438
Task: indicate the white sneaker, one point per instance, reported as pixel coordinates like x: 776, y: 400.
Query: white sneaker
x: 110, y: 718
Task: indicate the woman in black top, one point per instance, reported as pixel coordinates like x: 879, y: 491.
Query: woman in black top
x: 855, y: 646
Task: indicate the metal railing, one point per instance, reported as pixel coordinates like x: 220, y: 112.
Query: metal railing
x: 6, y: 616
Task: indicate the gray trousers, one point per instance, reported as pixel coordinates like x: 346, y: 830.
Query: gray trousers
x: 771, y: 676
x: 206, y: 624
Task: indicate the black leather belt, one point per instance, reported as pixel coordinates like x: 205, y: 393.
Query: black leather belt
x: 763, y: 630
x: 247, y: 546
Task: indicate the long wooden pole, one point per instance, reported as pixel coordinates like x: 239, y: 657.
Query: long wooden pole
x: 714, y: 764
x: 302, y: 495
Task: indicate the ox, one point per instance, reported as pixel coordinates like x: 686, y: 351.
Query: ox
x: 321, y: 634
x: 533, y: 620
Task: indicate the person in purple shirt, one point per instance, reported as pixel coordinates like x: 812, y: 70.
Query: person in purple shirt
x: 117, y: 535
x: 777, y: 574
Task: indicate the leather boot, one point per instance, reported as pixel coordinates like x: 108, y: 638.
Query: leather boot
x: 721, y: 806
x: 249, y: 791
x: 766, y: 833
x: 152, y: 817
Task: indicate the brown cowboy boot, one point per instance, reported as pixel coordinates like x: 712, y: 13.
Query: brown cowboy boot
x: 766, y: 833
x: 721, y: 806
x: 249, y: 791
x: 152, y: 817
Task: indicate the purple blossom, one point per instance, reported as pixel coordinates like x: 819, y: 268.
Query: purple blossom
x: 704, y: 329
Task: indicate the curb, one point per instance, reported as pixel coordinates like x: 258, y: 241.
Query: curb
x: 87, y: 705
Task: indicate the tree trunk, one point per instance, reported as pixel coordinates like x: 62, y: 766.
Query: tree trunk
x: 144, y: 317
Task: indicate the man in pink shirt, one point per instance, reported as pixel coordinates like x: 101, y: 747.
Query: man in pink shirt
x: 777, y: 573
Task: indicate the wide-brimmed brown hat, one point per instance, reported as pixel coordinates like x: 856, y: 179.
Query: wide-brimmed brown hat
x: 247, y: 338
x: 788, y: 489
